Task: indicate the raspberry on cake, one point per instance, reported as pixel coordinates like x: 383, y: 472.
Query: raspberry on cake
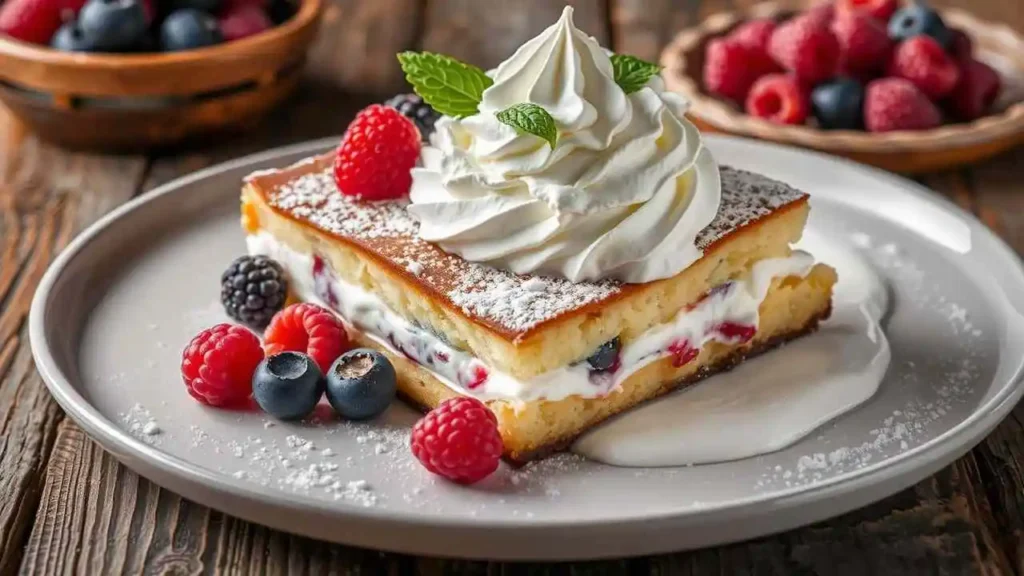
x: 556, y: 281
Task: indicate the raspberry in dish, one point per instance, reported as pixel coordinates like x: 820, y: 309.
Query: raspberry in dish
x: 922, y: 61
x: 218, y: 364
x: 731, y: 67
x: 878, y: 10
x: 309, y: 329
x: 864, y: 46
x: 531, y: 331
x: 896, y: 104
x: 458, y: 440
x: 779, y: 98
x: 806, y: 48
x: 975, y: 91
x: 754, y: 33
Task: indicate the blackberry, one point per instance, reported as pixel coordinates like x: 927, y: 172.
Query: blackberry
x: 414, y: 108
x: 253, y: 289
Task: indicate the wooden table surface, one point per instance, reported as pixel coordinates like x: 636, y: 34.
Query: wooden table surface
x: 67, y: 507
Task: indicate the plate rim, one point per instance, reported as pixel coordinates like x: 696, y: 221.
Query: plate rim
x: 136, y: 454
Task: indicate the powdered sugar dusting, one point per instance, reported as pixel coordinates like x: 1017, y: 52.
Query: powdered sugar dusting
x: 746, y: 198
x: 514, y: 302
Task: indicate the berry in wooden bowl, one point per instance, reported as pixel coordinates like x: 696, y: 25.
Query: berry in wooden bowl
x: 903, y: 87
x: 129, y: 74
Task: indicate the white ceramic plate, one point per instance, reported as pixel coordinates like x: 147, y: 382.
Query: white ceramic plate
x: 113, y: 312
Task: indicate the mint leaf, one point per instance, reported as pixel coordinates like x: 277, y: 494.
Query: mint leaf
x: 531, y: 119
x: 632, y: 73
x: 451, y: 87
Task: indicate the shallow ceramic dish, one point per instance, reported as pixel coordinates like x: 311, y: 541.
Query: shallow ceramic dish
x: 112, y: 314
x: 905, y: 152
x: 135, y: 101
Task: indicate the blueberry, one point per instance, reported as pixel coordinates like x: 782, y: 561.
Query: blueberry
x: 70, y: 38
x: 838, y: 104
x: 361, y: 384
x: 288, y: 385
x: 187, y: 29
x: 113, y: 25
x: 281, y: 10
x: 915, y: 20
x: 606, y: 356
x: 208, y: 6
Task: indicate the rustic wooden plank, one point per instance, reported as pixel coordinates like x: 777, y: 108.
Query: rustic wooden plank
x: 485, y: 33
x: 643, y: 27
x: 46, y: 196
x: 998, y: 195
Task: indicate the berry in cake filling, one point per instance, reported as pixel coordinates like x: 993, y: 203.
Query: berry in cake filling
x: 607, y: 358
x: 322, y: 282
x: 476, y: 378
x: 734, y: 332
x: 682, y: 352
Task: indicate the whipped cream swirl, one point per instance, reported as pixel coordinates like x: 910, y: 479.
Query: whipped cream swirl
x: 622, y: 195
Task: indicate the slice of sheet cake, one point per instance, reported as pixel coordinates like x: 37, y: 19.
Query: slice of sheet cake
x: 550, y: 357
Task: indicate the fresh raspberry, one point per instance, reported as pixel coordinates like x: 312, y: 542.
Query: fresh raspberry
x: 218, y: 364
x: 778, y: 98
x: 977, y: 89
x: 896, y: 104
x: 309, y: 329
x: 961, y: 47
x: 806, y: 48
x: 864, y: 44
x: 36, y: 20
x: 754, y: 33
x: 242, y: 20
x: 821, y: 14
x: 879, y: 10
x: 922, y: 61
x: 377, y: 154
x: 458, y: 440
x: 731, y: 68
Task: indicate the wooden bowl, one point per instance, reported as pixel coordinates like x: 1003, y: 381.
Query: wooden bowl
x: 133, y: 101
x: 903, y: 151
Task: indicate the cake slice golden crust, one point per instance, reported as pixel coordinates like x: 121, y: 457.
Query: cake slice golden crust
x: 491, y: 313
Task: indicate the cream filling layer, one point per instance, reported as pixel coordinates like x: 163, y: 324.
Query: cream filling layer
x: 732, y: 304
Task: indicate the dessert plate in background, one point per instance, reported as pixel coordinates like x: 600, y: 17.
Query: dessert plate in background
x: 114, y: 311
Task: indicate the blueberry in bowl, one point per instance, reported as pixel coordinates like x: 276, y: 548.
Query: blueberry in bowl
x: 98, y: 79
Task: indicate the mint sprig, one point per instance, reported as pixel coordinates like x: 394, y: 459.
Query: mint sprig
x: 632, y: 73
x: 531, y: 119
x: 451, y: 87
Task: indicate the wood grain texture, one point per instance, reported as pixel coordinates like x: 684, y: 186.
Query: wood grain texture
x: 485, y: 33
x: 47, y: 195
x: 96, y: 517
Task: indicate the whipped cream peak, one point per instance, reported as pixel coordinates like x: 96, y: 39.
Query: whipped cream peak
x: 622, y: 194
